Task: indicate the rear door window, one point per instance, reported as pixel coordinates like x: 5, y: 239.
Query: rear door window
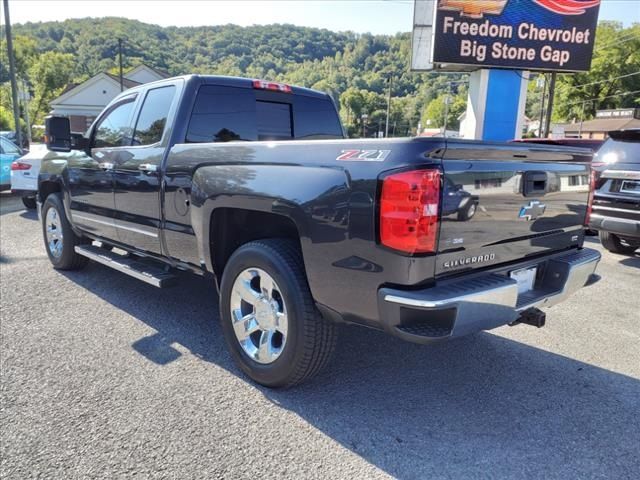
x: 153, y: 116
x: 8, y: 148
x: 223, y: 114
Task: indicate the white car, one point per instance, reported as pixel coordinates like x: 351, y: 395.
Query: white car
x: 24, y: 174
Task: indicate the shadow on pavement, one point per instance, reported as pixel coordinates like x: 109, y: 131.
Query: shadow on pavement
x: 29, y: 215
x: 10, y: 203
x: 481, y: 406
x: 632, y: 261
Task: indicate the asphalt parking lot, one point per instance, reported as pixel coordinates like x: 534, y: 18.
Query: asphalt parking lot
x: 104, y: 376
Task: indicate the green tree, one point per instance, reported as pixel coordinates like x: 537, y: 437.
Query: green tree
x: 24, y: 48
x: 616, y: 57
x: 435, y: 112
x: 50, y: 74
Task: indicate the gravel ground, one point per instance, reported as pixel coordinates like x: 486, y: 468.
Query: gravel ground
x: 104, y: 376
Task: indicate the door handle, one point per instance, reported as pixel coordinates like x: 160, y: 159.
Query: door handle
x: 148, y: 167
x: 106, y: 166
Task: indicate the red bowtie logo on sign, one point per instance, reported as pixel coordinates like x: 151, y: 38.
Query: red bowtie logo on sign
x: 568, y: 7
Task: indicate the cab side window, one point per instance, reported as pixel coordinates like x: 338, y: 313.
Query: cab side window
x: 114, y: 130
x: 153, y: 116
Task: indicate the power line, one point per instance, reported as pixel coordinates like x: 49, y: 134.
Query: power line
x: 607, y: 80
x: 620, y: 40
x: 602, y: 98
x: 625, y: 36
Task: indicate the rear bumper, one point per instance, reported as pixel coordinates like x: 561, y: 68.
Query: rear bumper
x: 20, y: 182
x: 621, y: 226
x: 23, y: 192
x: 482, y: 301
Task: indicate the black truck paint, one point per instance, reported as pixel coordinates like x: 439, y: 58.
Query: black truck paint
x: 191, y: 204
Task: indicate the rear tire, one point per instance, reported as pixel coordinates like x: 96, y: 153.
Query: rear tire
x: 29, y: 202
x: 59, y: 238
x: 613, y: 243
x: 308, y: 340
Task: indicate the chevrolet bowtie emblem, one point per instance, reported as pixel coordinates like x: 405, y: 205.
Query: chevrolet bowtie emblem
x: 474, y: 8
x: 532, y: 210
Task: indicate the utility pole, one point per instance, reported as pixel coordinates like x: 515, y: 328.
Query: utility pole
x: 12, y: 74
x: 120, y: 55
x: 552, y: 91
x: 581, y: 119
x: 25, y: 99
x: 544, y: 97
x: 447, y: 99
x: 386, y: 126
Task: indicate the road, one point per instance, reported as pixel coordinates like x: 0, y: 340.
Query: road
x: 104, y: 376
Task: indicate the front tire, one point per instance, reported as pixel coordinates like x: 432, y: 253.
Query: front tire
x: 613, y: 243
x: 269, y: 319
x: 467, y: 212
x: 59, y: 238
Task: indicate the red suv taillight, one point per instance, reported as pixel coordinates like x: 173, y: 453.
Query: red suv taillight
x: 592, y: 189
x: 409, y: 211
x: 20, y: 166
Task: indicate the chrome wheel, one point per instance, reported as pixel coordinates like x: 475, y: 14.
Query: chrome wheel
x: 259, y: 315
x: 472, y: 210
x: 53, y: 225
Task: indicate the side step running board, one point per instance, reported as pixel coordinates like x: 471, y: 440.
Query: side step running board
x: 150, y: 274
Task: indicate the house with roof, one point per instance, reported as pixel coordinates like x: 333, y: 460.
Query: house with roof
x: 605, y: 122
x: 84, y: 101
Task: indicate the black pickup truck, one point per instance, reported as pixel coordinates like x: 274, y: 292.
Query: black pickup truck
x: 252, y: 183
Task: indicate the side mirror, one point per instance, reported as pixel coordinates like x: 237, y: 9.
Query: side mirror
x: 458, y: 187
x: 57, y: 134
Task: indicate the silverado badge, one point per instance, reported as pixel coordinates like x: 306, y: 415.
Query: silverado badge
x: 464, y: 261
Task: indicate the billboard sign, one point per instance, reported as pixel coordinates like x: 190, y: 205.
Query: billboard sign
x: 549, y: 35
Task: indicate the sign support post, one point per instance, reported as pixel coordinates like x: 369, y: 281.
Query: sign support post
x: 495, y: 105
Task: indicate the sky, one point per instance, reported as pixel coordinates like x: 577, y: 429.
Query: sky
x: 375, y: 16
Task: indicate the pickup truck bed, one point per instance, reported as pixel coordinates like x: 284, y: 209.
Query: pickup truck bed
x: 427, y: 239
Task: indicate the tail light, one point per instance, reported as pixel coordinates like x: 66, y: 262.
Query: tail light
x: 592, y: 188
x: 273, y: 86
x: 20, y: 166
x: 409, y: 211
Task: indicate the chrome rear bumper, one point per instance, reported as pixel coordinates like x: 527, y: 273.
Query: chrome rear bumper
x: 481, y: 302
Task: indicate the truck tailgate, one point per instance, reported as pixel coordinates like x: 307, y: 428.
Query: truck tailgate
x: 503, y: 203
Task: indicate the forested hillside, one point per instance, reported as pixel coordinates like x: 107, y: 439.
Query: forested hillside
x: 354, y: 68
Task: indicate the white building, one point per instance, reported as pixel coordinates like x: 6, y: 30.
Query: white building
x: 83, y: 102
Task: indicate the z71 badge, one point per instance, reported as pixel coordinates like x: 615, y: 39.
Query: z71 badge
x: 364, y: 155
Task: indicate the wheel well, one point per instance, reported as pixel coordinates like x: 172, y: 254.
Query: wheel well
x: 233, y: 227
x: 47, y: 188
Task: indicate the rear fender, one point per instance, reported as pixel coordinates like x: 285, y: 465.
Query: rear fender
x: 302, y: 194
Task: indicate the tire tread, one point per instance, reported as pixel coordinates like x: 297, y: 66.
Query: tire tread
x: 69, y: 260
x: 319, y: 333
x: 612, y: 243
